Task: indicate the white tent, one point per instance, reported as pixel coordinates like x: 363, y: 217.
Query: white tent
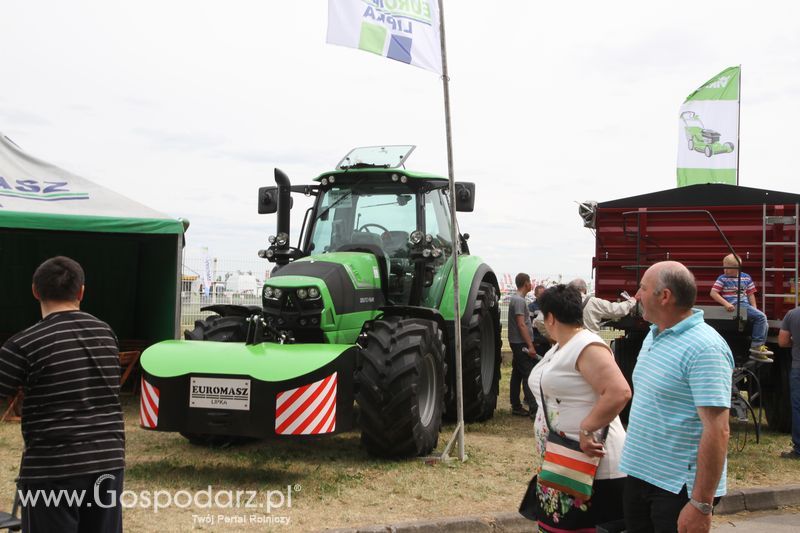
x: 131, y: 253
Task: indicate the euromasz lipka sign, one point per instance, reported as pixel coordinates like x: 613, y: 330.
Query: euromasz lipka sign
x: 41, y: 190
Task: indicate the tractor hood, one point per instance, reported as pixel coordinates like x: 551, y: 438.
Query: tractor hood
x: 351, y: 281
x: 266, y: 362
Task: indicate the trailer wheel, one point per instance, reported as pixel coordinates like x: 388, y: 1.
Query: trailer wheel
x: 218, y: 328
x: 776, y: 399
x: 481, y: 360
x: 400, y: 386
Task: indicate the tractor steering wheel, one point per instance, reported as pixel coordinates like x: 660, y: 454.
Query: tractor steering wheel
x: 365, y: 226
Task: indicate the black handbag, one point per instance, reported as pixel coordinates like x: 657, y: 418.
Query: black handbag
x: 529, y: 506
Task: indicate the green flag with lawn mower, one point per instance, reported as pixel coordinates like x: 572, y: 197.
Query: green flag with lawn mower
x: 708, y: 134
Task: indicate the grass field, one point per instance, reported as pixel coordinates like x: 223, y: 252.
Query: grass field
x: 335, y: 484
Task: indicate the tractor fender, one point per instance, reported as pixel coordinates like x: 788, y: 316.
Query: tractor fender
x: 471, y: 271
x: 413, y: 311
x: 233, y: 310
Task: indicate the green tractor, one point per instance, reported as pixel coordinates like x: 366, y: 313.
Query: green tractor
x: 361, y: 311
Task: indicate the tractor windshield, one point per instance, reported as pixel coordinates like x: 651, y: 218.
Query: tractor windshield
x: 373, y: 214
x: 379, y: 217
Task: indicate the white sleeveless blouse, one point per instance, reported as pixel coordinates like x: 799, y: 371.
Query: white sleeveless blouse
x: 570, y: 398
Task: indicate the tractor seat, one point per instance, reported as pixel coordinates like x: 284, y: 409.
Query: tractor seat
x: 365, y: 237
x: 394, y: 242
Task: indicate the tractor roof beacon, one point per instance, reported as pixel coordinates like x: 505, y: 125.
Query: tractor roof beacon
x: 361, y: 310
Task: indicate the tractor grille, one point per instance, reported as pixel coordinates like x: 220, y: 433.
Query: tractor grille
x: 300, y: 318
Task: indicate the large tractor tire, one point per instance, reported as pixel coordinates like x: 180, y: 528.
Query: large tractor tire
x: 480, y: 356
x: 775, y: 392
x: 400, y: 386
x: 221, y: 329
x: 218, y: 328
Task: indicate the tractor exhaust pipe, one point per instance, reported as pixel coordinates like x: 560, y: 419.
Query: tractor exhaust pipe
x: 284, y: 202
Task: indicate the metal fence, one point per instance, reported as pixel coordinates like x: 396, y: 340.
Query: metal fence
x: 239, y: 281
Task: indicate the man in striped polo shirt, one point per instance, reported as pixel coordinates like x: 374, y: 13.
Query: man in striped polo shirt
x: 72, y: 425
x: 676, y: 448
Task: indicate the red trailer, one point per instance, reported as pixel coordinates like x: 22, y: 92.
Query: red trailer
x: 699, y: 225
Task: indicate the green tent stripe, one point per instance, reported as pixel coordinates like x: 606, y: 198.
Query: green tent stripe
x: 36, y: 195
x: 51, y: 222
x: 694, y: 176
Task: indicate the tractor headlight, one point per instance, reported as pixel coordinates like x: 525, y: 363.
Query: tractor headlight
x: 436, y: 252
x: 281, y: 239
x: 429, y: 238
x: 269, y: 254
x: 416, y: 237
x: 271, y: 239
x: 426, y: 252
x: 395, y: 177
x: 268, y: 292
x: 332, y: 179
x: 403, y: 179
x: 302, y: 293
x: 313, y: 292
x: 277, y: 293
x: 324, y: 181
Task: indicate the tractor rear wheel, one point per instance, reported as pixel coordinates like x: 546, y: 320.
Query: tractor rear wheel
x: 221, y: 329
x: 218, y: 328
x: 481, y: 359
x: 400, y: 386
x: 776, y: 398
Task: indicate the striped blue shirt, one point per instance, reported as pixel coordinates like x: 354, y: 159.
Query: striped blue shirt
x: 680, y: 369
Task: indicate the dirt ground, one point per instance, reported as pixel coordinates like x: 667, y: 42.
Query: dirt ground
x: 333, y: 483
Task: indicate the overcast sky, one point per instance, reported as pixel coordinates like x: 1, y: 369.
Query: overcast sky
x: 187, y: 106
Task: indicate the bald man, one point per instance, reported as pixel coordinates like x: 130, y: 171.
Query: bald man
x: 676, y: 448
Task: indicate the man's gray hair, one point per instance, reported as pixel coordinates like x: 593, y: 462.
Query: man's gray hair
x: 680, y: 281
x: 580, y: 285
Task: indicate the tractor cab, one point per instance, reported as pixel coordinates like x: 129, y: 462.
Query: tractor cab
x: 371, y: 204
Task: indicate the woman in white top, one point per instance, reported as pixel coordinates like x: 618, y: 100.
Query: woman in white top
x: 584, y: 392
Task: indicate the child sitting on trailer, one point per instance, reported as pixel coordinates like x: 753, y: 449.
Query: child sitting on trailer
x: 729, y: 290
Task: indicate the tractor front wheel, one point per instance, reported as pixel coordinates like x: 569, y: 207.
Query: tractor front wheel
x: 400, y: 386
x: 218, y: 328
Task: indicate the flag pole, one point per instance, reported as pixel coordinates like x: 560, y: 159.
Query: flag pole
x: 458, y: 434
x: 739, y: 124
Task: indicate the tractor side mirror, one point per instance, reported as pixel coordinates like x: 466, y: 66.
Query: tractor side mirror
x: 268, y: 200
x: 465, y: 196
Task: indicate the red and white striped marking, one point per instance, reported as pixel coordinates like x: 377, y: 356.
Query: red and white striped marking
x: 148, y: 406
x: 307, y: 410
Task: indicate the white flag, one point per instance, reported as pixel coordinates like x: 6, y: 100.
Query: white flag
x: 207, y: 281
x: 404, y: 30
x: 708, y: 131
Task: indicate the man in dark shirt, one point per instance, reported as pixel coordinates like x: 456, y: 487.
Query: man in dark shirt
x: 520, y: 336
x: 68, y: 367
